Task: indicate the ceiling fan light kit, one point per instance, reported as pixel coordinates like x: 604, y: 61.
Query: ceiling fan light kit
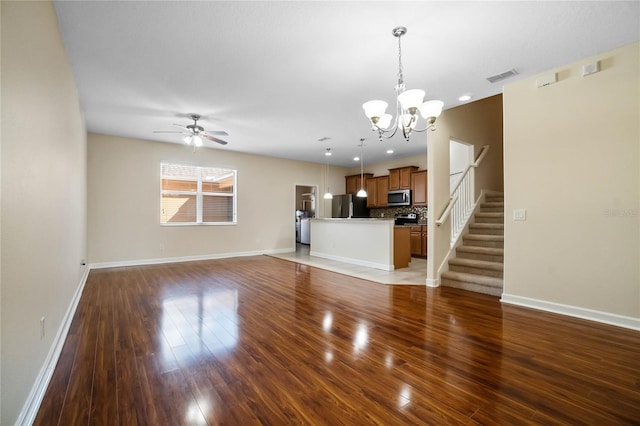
x: 196, y: 133
x: 408, y: 104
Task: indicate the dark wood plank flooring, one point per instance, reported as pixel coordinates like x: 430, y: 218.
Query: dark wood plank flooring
x: 259, y: 340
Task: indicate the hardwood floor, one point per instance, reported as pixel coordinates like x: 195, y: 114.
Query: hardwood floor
x: 259, y: 340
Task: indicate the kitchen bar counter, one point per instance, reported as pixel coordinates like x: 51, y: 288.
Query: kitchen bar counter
x: 360, y: 241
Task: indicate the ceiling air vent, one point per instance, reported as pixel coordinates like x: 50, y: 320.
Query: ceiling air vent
x: 502, y: 75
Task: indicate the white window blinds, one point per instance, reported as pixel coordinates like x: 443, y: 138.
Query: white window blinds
x: 192, y: 195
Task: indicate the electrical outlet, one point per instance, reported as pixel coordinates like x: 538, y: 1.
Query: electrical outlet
x: 42, y: 328
x: 519, y: 214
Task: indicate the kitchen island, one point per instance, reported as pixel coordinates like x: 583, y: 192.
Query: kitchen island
x: 365, y: 242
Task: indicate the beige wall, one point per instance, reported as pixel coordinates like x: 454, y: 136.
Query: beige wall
x: 43, y: 194
x: 124, y: 201
x: 477, y: 123
x: 572, y: 161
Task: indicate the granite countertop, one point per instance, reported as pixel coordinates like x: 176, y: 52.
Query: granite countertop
x: 356, y: 219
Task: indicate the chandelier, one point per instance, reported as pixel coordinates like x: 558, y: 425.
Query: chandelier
x: 408, y: 104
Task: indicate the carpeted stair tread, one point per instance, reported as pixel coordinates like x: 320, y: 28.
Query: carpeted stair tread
x: 481, y: 250
x: 490, y: 214
x: 476, y: 288
x: 487, y: 225
x: 490, y: 254
x: 483, y: 237
x: 481, y: 264
x: 473, y: 278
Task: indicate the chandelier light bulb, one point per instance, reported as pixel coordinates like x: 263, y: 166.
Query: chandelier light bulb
x: 197, y: 141
x: 411, y: 99
x: 431, y: 109
x: 385, y: 121
x: 187, y: 140
x: 373, y: 109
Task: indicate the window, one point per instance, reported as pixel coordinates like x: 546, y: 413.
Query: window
x: 192, y: 195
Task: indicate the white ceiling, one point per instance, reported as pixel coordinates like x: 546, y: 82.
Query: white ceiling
x: 277, y: 76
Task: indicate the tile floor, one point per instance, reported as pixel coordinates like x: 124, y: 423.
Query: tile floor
x: 416, y: 273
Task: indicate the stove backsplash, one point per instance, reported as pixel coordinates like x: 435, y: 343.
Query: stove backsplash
x: 390, y: 212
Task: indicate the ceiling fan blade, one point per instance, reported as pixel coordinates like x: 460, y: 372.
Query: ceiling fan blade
x: 216, y: 132
x: 182, y: 127
x: 211, y: 138
x: 171, y: 131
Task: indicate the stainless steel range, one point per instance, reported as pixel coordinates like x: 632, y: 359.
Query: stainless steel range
x: 406, y: 219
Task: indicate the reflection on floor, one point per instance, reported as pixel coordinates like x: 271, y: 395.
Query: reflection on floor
x: 416, y: 273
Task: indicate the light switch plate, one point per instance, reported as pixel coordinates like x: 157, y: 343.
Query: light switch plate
x: 519, y: 214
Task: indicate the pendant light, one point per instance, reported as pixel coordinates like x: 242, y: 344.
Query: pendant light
x: 327, y: 195
x: 361, y: 193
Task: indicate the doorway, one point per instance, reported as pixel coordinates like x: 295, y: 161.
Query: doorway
x: 460, y: 157
x: 305, y: 210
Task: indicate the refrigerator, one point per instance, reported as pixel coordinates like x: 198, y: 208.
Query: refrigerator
x: 349, y: 205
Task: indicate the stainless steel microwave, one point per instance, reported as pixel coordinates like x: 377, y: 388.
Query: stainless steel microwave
x: 401, y: 197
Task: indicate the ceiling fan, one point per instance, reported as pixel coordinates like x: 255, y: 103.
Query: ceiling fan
x: 195, y: 133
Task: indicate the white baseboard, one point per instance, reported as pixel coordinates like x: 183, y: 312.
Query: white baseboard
x: 433, y: 282
x: 32, y: 404
x: 138, y: 262
x: 353, y: 261
x: 573, y: 311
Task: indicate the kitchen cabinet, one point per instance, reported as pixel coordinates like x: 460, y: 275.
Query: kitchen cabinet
x: 382, y: 186
x: 418, y: 237
x: 352, y: 183
x: 377, y: 189
x: 372, y: 192
x: 419, y: 188
x: 400, y: 178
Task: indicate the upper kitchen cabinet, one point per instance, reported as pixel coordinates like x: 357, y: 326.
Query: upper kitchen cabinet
x: 419, y: 188
x: 383, y: 188
x: 377, y: 189
x: 400, y: 178
x: 352, y: 183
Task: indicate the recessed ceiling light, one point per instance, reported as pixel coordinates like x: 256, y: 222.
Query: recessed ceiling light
x: 389, y: 151
x: 356, y: 158
x: 464, y: 98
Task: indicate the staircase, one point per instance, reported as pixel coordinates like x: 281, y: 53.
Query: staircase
x: 478, y: 264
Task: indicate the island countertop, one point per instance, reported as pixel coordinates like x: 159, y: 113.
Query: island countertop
x: 368, y: 219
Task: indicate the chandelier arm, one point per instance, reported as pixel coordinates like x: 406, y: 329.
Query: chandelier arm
x: 429, y: 127
x: 386, y: 134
